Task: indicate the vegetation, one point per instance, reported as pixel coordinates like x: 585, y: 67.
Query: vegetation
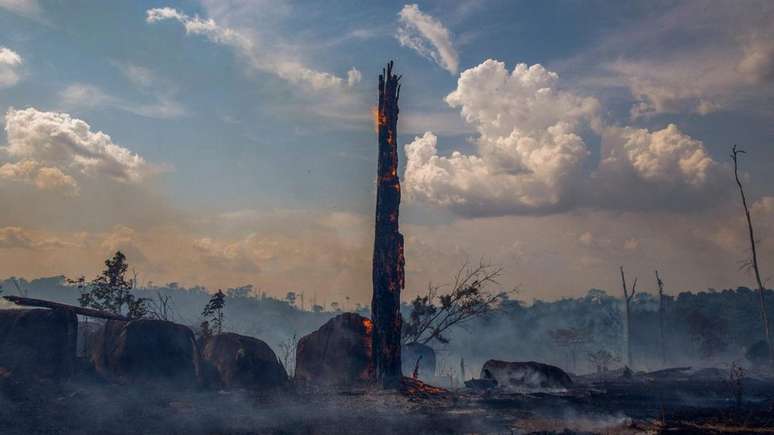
x: 213, y: 313
x: 432, y: 314
x: 111, y: 290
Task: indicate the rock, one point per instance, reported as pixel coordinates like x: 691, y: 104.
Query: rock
x: 411, y: 352
x: 38, y: 343
x: 339, y: 353
x: 147, y: 350
x: 525, y: 375
x: 243, y: 362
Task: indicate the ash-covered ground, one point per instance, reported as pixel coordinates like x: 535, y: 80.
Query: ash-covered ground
x: 681, y: 402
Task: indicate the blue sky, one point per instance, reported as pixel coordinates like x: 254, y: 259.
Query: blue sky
x: 250, y: 117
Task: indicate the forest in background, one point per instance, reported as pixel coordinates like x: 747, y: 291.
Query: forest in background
x: 710, y: 328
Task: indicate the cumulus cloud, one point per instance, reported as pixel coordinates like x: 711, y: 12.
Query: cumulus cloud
x: 427, y: 36
x: 664, y: 156
x: 9, y: 67
x: 42, y: 177
x: 258, y: 57
x: 529, y: 147
x: 56, y: 140
x: 532, y: 157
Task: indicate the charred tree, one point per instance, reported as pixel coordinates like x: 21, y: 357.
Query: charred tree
x: 753, y: 262
x: 628, y: 296
x: 388, y: 274
x: 662, y: 345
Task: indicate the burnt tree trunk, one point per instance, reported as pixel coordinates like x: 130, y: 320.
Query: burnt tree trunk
x: 388, y: 241
x: 661, y: 308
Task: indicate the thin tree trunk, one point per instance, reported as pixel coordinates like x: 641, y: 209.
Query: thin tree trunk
x: 753, y: 248
x: 661, y: 308
x: 388, y: 262
x: 627, y: 321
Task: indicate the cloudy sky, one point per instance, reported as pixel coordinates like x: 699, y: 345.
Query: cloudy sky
x: 225, y: 143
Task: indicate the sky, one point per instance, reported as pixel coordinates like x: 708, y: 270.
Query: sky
x: 231, y: 142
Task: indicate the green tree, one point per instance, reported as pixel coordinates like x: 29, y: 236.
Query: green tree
x: 111, y: 290
x: 213, y: 311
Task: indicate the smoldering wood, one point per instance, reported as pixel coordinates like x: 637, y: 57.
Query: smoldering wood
x: 388, y: 261
x: 31, y: 302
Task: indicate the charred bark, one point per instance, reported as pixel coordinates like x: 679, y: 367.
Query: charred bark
x: 388, y: 278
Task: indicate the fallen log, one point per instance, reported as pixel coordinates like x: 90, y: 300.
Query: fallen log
x: 30, y: 302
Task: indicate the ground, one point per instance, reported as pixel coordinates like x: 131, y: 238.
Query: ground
x: 613, y: 406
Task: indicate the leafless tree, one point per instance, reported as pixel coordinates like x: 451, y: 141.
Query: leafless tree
x: 288, y: 353
x: 601, y: 360
x: 628, y: 296
x: 661, y: 309
x: 570, y: 339
x: 753, y: 261
x: 160, y: 308
x: 433, y: 314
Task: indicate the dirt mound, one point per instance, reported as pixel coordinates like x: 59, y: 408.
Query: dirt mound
x: 146, y: 349
x: 242, y: 361
x: 339, y: 353
x: 529, y: 375
x: 38, y: 343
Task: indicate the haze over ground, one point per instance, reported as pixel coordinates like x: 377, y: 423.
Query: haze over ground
x: 225, y: 143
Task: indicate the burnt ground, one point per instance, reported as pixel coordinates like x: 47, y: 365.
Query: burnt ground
x: 617, y: 406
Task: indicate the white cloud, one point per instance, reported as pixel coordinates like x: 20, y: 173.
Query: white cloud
x: 529, y: 147
x: 532, y: 158
x: 757, y: 63
x: 81, y: 95
x: 9, y: 65
x: 666, y: 156
x: 25, y: 8
x: 13, y: 237
x: 57, y: 140
x: 698, y: 83
x: 246, y: 45
x: 42, y: 177
x: 427, y: 36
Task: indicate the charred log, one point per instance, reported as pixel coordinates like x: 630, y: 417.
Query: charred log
x: 30, y: 302
x: 388, y: 278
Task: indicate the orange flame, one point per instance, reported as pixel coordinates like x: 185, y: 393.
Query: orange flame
x: 375, y: 115
x: 368, y: 325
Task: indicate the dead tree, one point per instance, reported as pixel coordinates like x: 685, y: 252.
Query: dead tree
x: 388, y: 262
x: 628, y: 296
x: 662, y: 345
x: 754, y: 253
